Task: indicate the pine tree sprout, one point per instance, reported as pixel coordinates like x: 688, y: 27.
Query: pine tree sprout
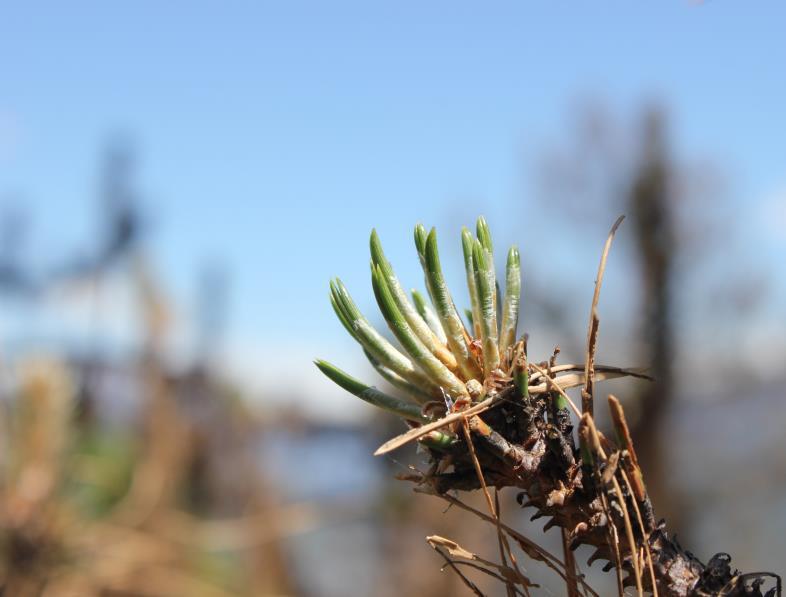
x: 486, y: 416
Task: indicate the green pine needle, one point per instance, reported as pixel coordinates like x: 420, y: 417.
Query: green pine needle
x: 420, y: 242
x: 413, y: 318
x: 470, y: 318
x: 371, y: 395
x: 397, y: 381
x: 559, y: 401
x: 429, y: 316
x: 368, y: 337
x: 446, y: 310
x: 510, y: 307
x: 438, y: 440
x: 467, y: 242
x: 484, y: 234
x: 398, y: 324
x: 485, y: 282
x: 438, y: 353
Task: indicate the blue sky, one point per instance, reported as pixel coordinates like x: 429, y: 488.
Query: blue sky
x: 273, y: 136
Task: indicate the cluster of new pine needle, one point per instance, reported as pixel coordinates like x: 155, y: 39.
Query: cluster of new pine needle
x: 487, y: 416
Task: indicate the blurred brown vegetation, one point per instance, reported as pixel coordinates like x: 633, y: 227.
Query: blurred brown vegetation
x: 174, y: 506
x: 168, y: 501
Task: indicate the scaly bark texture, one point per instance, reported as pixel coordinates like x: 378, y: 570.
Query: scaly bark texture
x: 524, y: 443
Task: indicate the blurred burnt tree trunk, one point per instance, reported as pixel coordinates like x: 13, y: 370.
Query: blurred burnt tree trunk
x: 650, y: 205
x: 118, y: 237
x: 606, y: 170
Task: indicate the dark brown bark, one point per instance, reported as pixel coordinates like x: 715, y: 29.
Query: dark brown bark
x: 518, y: 445
x: 651, y: 206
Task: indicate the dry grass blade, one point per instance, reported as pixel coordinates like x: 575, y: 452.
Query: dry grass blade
x: 575, y: 380
x: 529, y: 547
x: 637, y: 373
x: 469, y: 584
x: 632, y: 545
x: 478, y: 469
x: 591, y: 440
x: 629, y: 533
x: 507, y: 574
x: 562, y: 383
x: 493, y: 509
x: 570, y: 565
x: 418, y: 432
x: 592, y: 332
x: 504, y: 545
x: 624, y: 439
x: 647, y: 551
x: 588, y: 391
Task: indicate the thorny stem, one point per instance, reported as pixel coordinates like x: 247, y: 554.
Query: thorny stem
x: 574, y: 499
